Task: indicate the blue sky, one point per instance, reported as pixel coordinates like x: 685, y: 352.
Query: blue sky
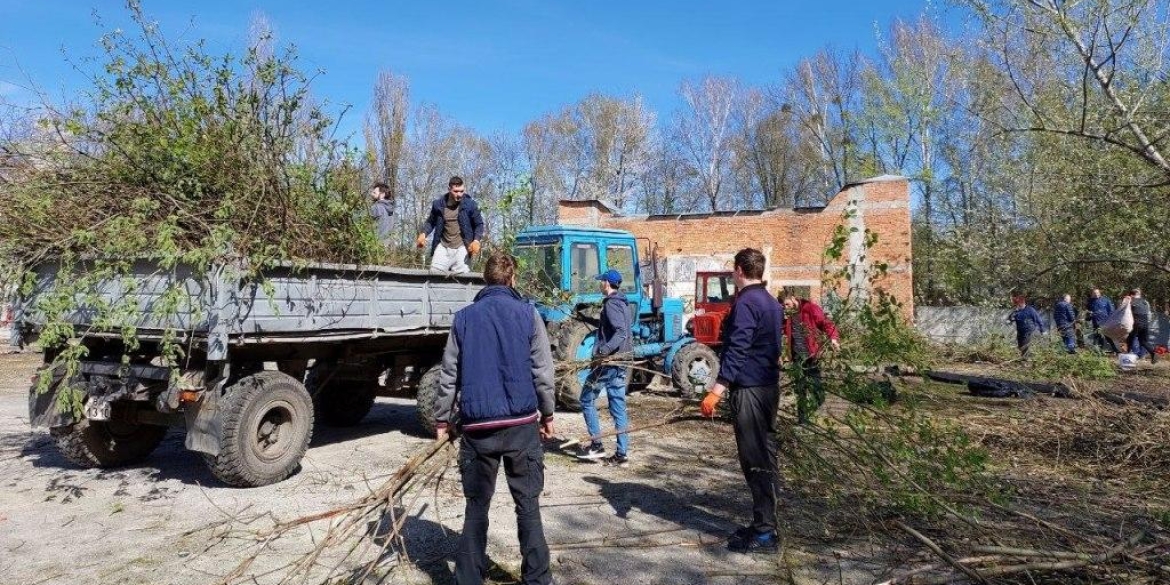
x: 492, y: 65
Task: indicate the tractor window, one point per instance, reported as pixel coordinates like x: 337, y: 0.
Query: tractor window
x: 586, y: 265
x: 539, y: 270
x: 621, y: 259
x: 720, y: 289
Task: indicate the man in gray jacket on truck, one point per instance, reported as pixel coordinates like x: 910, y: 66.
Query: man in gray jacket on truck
x: 498, y: 367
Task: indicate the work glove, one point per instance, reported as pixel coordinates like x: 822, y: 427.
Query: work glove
x: 473, y: 248
x: 707, y: 408
x: 421, y: 241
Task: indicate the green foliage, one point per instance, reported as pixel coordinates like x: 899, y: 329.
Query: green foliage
x: 190, y: 160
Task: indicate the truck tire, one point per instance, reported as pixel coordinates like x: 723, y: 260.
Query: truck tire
x: 427, y: 396
x: 111, y: 443
x: 267, y: 421
x: 695, y: 366
x: 569, y: 392
x: 339, y: 403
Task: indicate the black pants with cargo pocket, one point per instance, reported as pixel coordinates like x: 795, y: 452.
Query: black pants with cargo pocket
x: 480, y: 454
x: 754, y: 409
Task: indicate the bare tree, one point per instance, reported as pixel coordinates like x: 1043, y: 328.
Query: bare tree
x: 1102, y: 73
x: 385, y: 129
x: 705, y: 129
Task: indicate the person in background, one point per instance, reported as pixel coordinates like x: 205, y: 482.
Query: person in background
x: 1027, y: 320
x: 382, y: 210
x: 749, y: 370
x: 498, y: 368
x: 805, y: 328
x: 1097, y: 310
x: 1065, y: 317
x: 1139, y: 338
x: 613, y: 338
x: 458, y: 226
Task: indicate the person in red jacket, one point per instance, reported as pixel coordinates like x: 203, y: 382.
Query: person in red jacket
x: 805, y: 328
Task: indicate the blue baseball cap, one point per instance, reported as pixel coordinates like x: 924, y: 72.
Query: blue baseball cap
x: 611, y: 276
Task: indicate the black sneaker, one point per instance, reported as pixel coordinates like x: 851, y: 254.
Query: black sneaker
x: 754, y: 543
x: 617, y: 460
x: 592, y: 453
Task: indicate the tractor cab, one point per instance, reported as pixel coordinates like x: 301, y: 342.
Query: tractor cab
x: 714, y: 293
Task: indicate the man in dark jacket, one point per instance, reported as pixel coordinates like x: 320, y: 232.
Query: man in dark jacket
x: 805, y: 328
x: 458, y: 227
x: 498, y: 367
x: 382, y: 210
x: 613, y: 338
x: 749, y: 369
x: 1065, y: 317
x: 1098, y: 309
x: 1139, y: 338
x: 1027, y: 320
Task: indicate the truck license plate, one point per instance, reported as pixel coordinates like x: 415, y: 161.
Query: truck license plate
x: 97, y: 409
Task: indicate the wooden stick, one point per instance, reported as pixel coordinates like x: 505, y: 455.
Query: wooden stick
x: 629, y: 430
x: 1029, y: 552
x: 968, y: 571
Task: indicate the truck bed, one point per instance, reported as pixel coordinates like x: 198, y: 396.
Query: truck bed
x: 221, y: 308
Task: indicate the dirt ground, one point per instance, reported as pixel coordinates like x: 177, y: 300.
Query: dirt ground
x: 662, y: 520
x: 62, y: 524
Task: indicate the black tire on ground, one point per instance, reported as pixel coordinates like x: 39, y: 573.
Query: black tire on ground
x: 109, y: 443
x: 267, y: 423
x: 339, y: 403
x: 695, y: 366
x: 569, y: 392
x: 426, y: 397
x: 572, y: 335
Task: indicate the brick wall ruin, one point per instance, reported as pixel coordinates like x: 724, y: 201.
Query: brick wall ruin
x: 794, y: 240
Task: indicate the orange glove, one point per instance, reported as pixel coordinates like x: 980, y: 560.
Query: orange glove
x: 709, y: 403
x: 473, y: 248
x: 421, y: 241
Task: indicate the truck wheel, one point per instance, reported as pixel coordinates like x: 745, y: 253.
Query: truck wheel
x: 695, y: 366
x: 118, y: 441
x: 267, y: 423
x: 427, y: 396
x: 339, y: 403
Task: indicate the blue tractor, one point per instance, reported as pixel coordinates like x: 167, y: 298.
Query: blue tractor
x: 560, y: 262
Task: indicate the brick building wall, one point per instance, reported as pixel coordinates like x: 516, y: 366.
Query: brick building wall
x: 793, y: 240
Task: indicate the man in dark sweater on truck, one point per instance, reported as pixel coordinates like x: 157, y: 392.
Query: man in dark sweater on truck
x: 749, y: 371
x: 498, y: 367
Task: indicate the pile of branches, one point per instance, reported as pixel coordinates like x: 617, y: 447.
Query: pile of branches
x: 186, y: 156
x: 349, y: 543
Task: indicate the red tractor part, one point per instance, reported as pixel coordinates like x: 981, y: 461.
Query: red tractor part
x: 714, y: 292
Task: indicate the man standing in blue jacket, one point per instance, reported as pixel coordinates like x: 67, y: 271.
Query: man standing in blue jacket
x: 1027, y: 320
x: 1099, y: 308
x: 613, y: 337
x: 458, y: 227
x: 1065, y: 317
x: 749, y: 369
x: 498, y: 367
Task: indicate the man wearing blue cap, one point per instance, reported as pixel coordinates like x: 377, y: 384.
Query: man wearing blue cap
x: 613, y: 337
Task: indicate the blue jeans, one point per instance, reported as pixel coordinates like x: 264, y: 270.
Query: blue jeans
x: 613, y: 380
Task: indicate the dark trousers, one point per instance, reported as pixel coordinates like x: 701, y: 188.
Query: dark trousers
x: 1068, y: 336
x: 754, y: 409
x: 479, y: 462
x: 1140, y: 337
x: 1024, y: 341
x: 810, y: 391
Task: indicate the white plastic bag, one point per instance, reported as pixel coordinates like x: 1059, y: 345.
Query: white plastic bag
x: 1119, y: 323
x: 1127, y: 361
